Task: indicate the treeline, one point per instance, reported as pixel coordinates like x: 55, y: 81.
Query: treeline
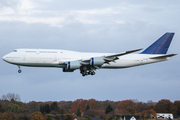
x: 12, y: 108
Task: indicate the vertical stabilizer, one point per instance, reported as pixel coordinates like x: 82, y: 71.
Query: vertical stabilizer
x: 161, y: 45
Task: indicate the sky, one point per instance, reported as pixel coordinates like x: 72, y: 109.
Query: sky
x: 110, y: 26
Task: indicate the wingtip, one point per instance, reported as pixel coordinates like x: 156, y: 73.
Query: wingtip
x: 135, y: 50
x: 175, y: 54
x: 138, y: 49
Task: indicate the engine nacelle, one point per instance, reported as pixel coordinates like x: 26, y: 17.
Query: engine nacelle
x: 73, y: 65
x: 67, y: 70
x: 97, y: 61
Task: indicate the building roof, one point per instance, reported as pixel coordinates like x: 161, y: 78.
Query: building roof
x: 128, y: 117
x: 165, y: 115
x: 176, y: 116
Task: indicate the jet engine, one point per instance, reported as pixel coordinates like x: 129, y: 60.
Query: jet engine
x: 97, y: 61
x: 71, y: 66
x: 67, y: 70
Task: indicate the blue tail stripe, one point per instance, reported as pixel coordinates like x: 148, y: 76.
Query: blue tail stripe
x: 161, y: 45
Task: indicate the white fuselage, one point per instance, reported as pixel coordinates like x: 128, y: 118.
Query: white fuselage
x: 51, y: 58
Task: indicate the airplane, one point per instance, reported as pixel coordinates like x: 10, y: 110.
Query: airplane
x: 87, y: 63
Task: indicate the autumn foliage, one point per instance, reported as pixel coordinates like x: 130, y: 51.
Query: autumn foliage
x: 82, y: 104
x: 10, y: 109
x: 36, y: 116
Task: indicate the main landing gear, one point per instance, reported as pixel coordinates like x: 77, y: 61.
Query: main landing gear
x: 88, y: 73
x: 19, y: 71
x: 84, y: 71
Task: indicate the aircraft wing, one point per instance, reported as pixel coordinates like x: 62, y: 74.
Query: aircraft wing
x: 124, y: 53
x: 109, y: 58
x: 59, y: 64
x: 94, y: 62
x: 113, y: 57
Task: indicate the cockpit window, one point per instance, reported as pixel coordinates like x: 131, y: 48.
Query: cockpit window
x: 15, y: 50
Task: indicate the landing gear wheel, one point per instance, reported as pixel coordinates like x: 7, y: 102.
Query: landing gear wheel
x: 93, y: 73
x: 83, y: 74
x: 19, y: 71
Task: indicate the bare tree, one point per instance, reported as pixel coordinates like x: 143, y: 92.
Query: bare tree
x: 11, y: 97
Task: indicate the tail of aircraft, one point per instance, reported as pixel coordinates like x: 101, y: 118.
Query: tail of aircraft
x: 161, y: 45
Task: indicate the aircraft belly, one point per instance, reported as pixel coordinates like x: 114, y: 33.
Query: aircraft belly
x: 38, y: 65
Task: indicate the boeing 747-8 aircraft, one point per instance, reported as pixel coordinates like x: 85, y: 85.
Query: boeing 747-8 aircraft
x: 87, y: 63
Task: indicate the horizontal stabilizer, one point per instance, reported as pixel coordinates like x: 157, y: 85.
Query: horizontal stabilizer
x: 163, y: 56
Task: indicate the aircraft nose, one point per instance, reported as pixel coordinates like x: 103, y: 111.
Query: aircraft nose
x: 4, y: 58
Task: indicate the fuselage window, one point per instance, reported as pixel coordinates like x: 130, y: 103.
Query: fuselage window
x: 15, y: 50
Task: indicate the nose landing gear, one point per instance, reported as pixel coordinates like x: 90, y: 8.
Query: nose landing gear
x: 19, y: 71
